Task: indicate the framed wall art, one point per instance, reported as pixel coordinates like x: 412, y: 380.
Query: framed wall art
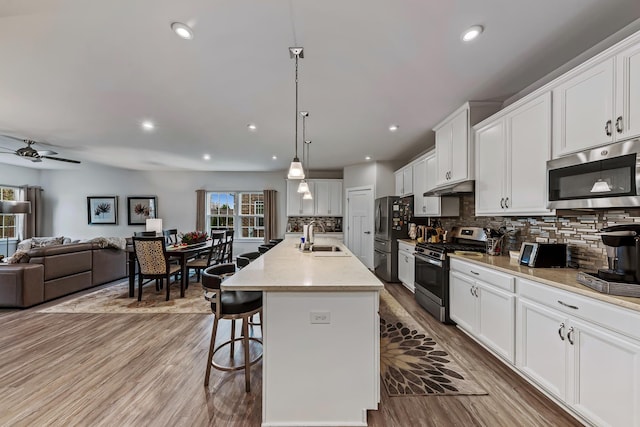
x: 141, y: 208
x: 102, y: 210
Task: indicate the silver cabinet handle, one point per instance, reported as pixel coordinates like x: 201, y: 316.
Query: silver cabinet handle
x: 506, y: 202
x: 619, y: 124
x: 502, y: 203
x: 475, y: 291
x: 471, y: 290
x: 473, y: 272
x: 561, y: 330
x: 424, y: 209
x: 406, y: 259
x: 607, y: 128
x: 568, y: 305
x: 570, y: 335
x: 367, y: 232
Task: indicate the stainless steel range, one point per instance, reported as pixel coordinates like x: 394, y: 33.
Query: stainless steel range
x: 432, y: 268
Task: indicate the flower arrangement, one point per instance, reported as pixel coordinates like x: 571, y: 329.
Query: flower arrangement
x: 193, y: 237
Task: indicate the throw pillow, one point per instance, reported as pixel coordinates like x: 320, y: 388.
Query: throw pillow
x: 41, y: 242
x: 25, y: 245
x: 19, y: 256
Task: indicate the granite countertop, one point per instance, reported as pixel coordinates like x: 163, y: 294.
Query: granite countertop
x: 408, y: 241
x: 285, y: 268
x: 563, y: 278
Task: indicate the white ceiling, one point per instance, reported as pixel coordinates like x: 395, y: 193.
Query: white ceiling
x: 82, y: 75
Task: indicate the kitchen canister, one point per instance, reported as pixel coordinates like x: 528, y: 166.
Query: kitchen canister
x: 494, y: 245
x: 413, y: 231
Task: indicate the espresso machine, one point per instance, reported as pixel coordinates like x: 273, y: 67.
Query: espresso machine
x: 622, y: 275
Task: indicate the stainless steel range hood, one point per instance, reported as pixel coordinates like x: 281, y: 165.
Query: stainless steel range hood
x: 458, y: 188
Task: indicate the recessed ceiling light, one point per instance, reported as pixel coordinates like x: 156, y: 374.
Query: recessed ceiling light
x: 394, y: 128
x: 472, y: 33
x: 274, y: 157
x: 182, y: 30
x: 368, y: 158
x: 252, y: 127
x: 148, y: 125
x: 206, y: 157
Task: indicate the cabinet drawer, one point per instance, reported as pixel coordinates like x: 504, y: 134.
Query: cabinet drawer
x: 495, y: 278
x: 406, y: 247
x: 616, y: 318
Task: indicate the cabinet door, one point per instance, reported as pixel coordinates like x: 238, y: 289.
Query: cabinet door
x: 460, y: 147
x: 490, y: 168
x: 419, y: 187
x: 308, y: 206
x: 541, y: 340
x: 399, y: 183
x: 335, y: 198
x: 407, y: 178
x: 443, y: 153
x: 529, y: 137
x: 583, y: 110
x: 628, y: 93
x: 497, y: 320
x: 405, y: 269
x: 431, y: 204
x: 294, y: 199
x: 462, y: 301
x: 606, y: 385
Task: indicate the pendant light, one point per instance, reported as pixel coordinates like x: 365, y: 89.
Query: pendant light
x: 296, y: 171
x: 303, y: 187
x: 307, y: 195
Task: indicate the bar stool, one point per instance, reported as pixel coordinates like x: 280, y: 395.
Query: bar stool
x: 264, y: 248
x: 275, y: 241
x: 230, y: 305
x: 244, y: 259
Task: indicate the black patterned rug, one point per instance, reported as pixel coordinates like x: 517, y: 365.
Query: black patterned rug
x: 411, y: 362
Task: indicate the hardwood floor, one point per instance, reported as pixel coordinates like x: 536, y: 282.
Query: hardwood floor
x: 148, y: 369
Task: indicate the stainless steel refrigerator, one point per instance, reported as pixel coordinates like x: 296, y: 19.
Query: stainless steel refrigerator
x: 392, y: 215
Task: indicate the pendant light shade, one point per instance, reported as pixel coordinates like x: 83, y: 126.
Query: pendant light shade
x: 307, y: 196
x: 296, y: 170
x: 303, y: 187
x: 600, y: 186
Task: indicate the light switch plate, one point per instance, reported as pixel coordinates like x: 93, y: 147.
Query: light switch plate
x: 320, y: 317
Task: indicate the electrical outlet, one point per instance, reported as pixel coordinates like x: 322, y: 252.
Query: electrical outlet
x: 320, y: 317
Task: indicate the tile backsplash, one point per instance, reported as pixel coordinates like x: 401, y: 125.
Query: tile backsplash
x: 295, y: 223
x: 576, y: 229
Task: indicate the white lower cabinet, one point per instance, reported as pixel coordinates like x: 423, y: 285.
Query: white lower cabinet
x: 406, y: 265
x: 480, y: 304
x: 595, y: 371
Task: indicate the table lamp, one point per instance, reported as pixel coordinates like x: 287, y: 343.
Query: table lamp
x: 11, y: 207
x: 154, y: 224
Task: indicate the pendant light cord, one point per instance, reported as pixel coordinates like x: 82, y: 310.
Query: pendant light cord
x: 296, y: 115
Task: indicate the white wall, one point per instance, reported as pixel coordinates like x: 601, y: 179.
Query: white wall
x: 66, y: 196
x: 385, y: 178
x: 18, y: 176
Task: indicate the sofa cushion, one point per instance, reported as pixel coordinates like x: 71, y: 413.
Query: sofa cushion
x: 21, y: 285
x: 41, y: 242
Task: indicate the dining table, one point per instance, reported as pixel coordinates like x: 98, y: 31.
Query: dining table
x: 180, y: 252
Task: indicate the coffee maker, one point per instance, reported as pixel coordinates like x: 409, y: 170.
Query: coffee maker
x: 623, y: 252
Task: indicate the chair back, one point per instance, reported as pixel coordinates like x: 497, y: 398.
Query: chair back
x: 263, y: 248
x: 250, y: 255
x: 228, y: 250
x: 217, y: 247
x: 170, y: 236
x: 144, y: 234
x: 275, y: 241
x: 242, y: 261
x: 213, y: 276
x: 151, y: 255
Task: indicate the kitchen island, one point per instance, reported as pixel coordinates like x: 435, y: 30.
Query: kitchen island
x: 321, y: 333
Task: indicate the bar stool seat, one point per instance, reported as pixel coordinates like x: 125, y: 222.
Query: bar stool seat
x: 238, y: 302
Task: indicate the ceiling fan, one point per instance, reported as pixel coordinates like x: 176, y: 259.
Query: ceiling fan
x: 31, y: 153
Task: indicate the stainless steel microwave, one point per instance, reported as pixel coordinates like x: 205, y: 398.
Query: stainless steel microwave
x: 603, y: 177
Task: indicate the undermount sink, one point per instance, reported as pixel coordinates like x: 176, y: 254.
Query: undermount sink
x: 325, y: 248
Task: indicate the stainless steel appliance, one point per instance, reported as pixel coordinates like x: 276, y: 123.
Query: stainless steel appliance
x: 392, y: 216
x: 603, y: 177
x: 543, y: 255
x: 432, y: 268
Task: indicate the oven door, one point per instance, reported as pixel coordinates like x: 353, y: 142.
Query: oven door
x: 432, y: 286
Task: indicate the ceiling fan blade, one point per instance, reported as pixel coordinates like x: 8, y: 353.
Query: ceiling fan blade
x: 60, y: 159
x: 13, y: 137
x: 47, y: 153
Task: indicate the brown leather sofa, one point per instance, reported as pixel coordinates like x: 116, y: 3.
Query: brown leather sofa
x: 59, y: 270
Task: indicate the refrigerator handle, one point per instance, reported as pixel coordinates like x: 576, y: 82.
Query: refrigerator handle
x: 378, y: 216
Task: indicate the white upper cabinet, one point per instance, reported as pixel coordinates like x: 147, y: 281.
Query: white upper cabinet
x: 598, y: 102
x: 511, y: 153
x: 432, y: 206
x: 327, y: 198
x: 419, y: 187
x: 454, y: 142
x: 404, y: 181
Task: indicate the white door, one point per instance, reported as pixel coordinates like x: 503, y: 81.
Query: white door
x: 360, y: 224
x: 419, y: 184
x: 443, y: 154
x: 627, y: 124
x: 490, y: 168
x: 462, y: 301
x: 497, y: 320
x: 459, y: 147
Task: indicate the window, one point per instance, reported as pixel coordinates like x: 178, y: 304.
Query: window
x: 247, y: 220
x: 8, y: 224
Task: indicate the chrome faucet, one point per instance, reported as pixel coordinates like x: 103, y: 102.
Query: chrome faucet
x: 309, y: 234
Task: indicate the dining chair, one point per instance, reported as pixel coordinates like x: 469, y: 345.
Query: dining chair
x: 144, y: 234
x: 264, y: 248
x: 230, y: 305
x: 244, y: 259
x: 153, y: 262
x: 210, y: 257
x: 170, y: 236
x: 228, y: 250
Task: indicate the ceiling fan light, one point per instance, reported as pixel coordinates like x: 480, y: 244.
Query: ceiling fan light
x: 295, y: 169
x: 307, y: 196
x: 303, y: 187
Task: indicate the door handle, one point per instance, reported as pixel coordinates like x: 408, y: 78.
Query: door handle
x: 619, y: 124
x: 607, y: 128
x: 560, y: 331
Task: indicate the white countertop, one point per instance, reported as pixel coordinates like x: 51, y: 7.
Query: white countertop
x: 285, y: 268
